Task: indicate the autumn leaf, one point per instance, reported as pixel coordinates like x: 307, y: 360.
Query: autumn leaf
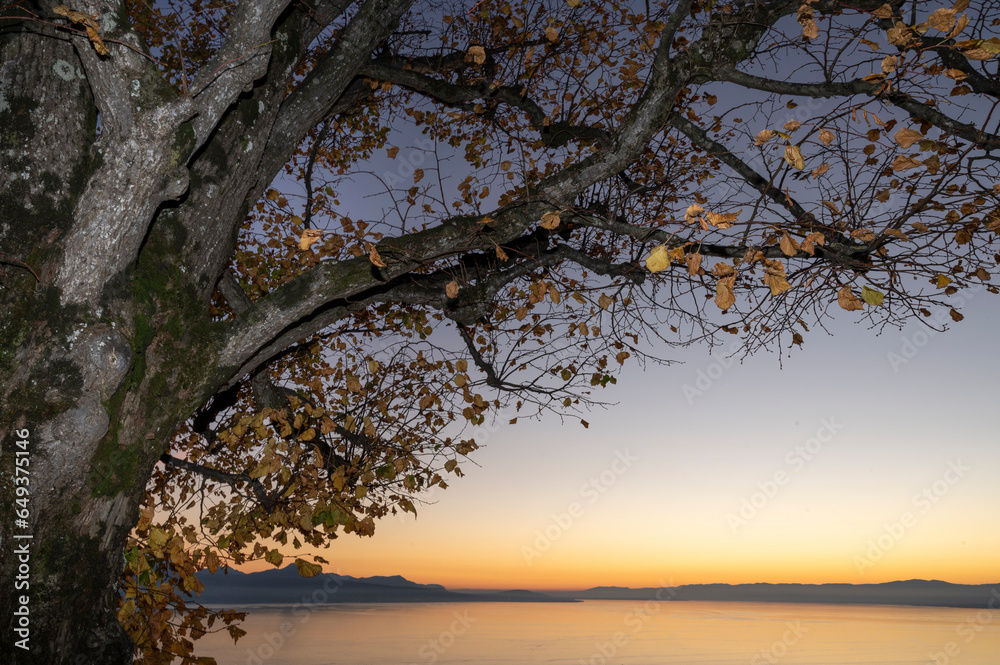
x: 826, y: 136
x: 905, y: 162
x: 392, y: 152
x: 478, y: 54
x: 550, y: 220
x: 775, y: 278
x: 788, y: 245
x: 820, y: 170
x: 871, y: 296
x: 658, y: 259
x: 374, y: 257
x: 451, y: 289
x: 308, y: 238
x: 907, y: 137
x: 956, y: 316
x: 942, y: 20
x: 274, y: 557
x: 763, y: 136
x: 604, y: 301
x: 942, y: 281
x: 692, y: 212
x: 307, y: 569
x: 885, y: 11
x: 89, y: 23
x: 694, y: 264
x: 889, y: 64
x: 847, y: 300
x: 418, y: 175
x: 551, y: 34
x: 793, y: 156
x: 725, y: 296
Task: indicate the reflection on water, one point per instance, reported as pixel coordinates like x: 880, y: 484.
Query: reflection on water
x: 611, y: 633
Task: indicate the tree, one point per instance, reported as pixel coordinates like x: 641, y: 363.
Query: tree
x: 193, y: 319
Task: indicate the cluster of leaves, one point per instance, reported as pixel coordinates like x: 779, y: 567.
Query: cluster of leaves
x: 778, y: 201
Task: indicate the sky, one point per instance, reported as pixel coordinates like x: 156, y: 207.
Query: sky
x: 860, y: 458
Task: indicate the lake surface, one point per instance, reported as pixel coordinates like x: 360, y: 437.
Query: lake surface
x: 611, y: 632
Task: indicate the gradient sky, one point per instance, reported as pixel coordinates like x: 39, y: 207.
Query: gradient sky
x: 905, y: 488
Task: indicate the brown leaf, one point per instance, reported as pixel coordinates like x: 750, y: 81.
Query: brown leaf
x: 392, y: 152
x: 788, y: 245
x: 694, y: 264
x: 885, y: 11
x: 907, y: 137
x: 451, y: 290
x: 551, y: 34
x: 826, y: 136
x: 691, y: 214
x: 889, y: 64
x: 847, y: 300
x: 905, y: 162
x: 89, y: 23
x: 792, y: 125
x: 478, y: 54
x: 375, y: 258
x: 725, y: 297
x: 820, y: 170
x: 764, y: 135
x: 604, y: 301
x: 550, y: 220
x: 956, y: 316
x: 942, y: 19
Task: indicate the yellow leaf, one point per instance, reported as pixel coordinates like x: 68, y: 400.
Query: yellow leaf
x: 658, y: 259
x: 573, y: 3
x: 847, y: 300
x: 307, y: 569
x: 375, y: 258
x: 907, y: 137
x: 871, y: 296
x: 794, y: 157
x: 942, y: 281
x: 308, y: 238
x: 451, y: 290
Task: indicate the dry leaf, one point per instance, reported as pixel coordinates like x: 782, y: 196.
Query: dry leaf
x: 788, y: 245
x: 392, y: 152
x: 725, y: 296
x: 451, y: 290
x: 375, y: 258
x: 907, y: 137
x: 764, y: 135
x: 550, y: 220
x: 905, y: 162
x: 418, y: 175
x: 871, y: 296
x: 792, y: 125
x: 955, y: 316
x: 794, y: 157
x: 826, y: 136
x: 885, y: 11
x: 308, y: 238
x: 478, y: 54
x: 820, y: 170
x: 551, y: 34
x: 658, y: 259
x: 89, y: 23
x: 847, y: 300
x: 691, y: 214
x: 694, y: 264
x: 831, y: 206
x: 889, y: 64
x: 942, y: 20
x: 604, y: 301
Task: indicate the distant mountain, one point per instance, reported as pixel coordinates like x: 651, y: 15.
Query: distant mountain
x: 286, y: 586
x: 909, y: 592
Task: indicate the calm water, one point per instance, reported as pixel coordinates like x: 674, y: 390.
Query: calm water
x: 618, y: 632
